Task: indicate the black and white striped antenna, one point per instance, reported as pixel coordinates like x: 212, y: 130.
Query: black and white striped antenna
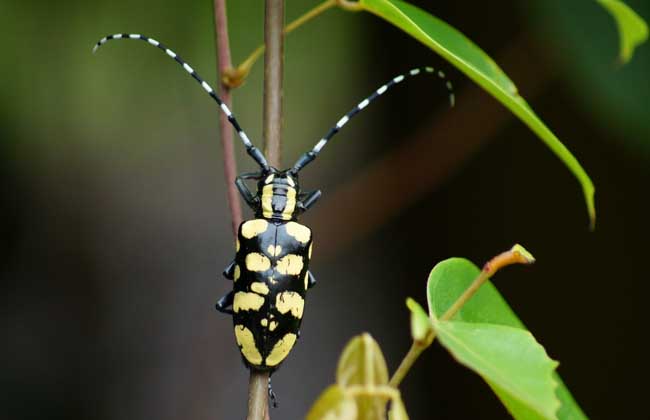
x: 309, y: 156
x: 253, y: 151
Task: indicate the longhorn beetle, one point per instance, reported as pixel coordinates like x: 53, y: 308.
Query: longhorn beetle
x: 270, y: 271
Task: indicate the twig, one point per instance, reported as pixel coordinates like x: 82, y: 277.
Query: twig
x: 407, y: 362
x: 273, y: 57
x: 244, y: 68
x: 258, y: 384
x: 225, y: 130
x: 273, y: 64
x: 258, y: 388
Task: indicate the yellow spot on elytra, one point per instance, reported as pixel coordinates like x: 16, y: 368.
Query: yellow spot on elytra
x: 289, y: 265
x: 269, y: 179
x: 237, y: 273
x: 257, y: 262
x: 245, y: 301
x: 237, y: 246
x: 298, y: 231
x: 273, y: 325
x: 306, y: 279
x: 281, y: 349
x: 291, y: 181
x: 290, y: 302
x: 274, y: 250
x: 264, y: 322
x: 259, y: 287
x: 311, y: 246
x: 246, y: 342
x: 253, y: 228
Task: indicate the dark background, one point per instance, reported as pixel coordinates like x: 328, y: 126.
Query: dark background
x: 115, y: 226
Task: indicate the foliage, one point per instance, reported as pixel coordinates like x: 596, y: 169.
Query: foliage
x: 478, y: 328
x: 449, y: 279
x: 633, y: 31
x: 466, y: 312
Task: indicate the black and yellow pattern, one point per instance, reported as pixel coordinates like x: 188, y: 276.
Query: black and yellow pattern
x: 271, y: 277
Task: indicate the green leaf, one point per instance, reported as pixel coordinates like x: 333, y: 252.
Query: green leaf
x: 333, y: 404
x: 448, y: 280
x: 632, y: 29
x: 362, y: 364
x: 478, y: 66
x: 421, y: 328
x: 509, y: 359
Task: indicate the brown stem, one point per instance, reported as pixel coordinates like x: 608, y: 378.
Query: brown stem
x: 224, y: 64
x: 273, y: 37
x: 245, y: 67
x: 257, y: 390
x: 273, y: 60
x: 258, y: 406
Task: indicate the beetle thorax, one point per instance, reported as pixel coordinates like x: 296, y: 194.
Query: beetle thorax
x: 278, y: 193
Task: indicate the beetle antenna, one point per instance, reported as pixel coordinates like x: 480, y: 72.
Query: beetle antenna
x: 306, y: 158
x: 253, y: 151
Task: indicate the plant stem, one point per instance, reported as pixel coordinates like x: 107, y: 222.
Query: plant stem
x: 225, y: 130
x: 414, y: 352
x: 258, y: 382
x: 246, y: 65
x: 258, y: 406
x: 273, y: 66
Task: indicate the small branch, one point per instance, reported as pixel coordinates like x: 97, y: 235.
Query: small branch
x: 414, y: 352
x: 258, y: 389
x: 258, y: 406
x: 273, y: 67
x: 225, y: 130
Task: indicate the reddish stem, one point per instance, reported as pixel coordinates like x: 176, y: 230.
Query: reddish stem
x: 224, y: 64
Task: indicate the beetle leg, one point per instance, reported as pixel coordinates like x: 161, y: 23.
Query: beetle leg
x: 229, y: 272
x: 274, y: 398
x: 225, y: 302
x: 306, y: 200
x: 246, y: 193
x: 312, y: 280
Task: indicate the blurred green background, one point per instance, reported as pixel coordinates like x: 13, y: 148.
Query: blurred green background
x: 115, y: 226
